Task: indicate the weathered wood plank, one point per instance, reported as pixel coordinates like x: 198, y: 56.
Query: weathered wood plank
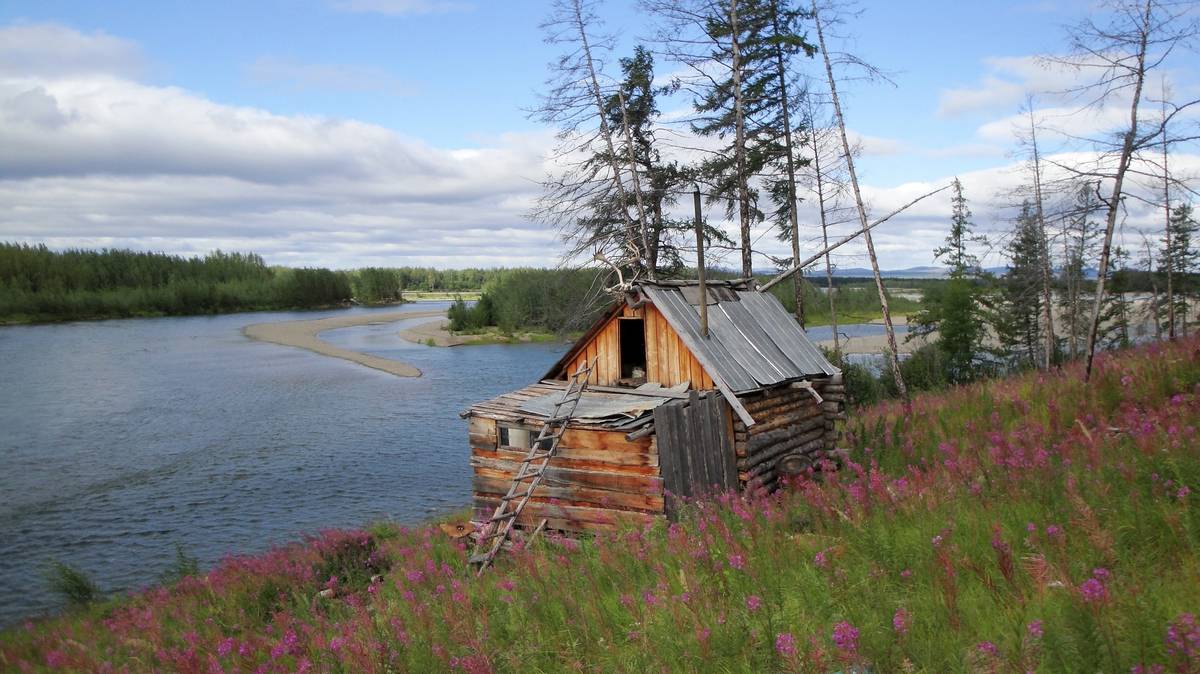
x: 598, y: 478
x: 490, y: 485
x: 567, y: 517
x: 482, y: 456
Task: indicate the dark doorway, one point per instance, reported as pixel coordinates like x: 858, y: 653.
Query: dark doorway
x: 633, y: 348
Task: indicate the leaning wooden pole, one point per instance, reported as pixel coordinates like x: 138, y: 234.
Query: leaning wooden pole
x: 862, y: 211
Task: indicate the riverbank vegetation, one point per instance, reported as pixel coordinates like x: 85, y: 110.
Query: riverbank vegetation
x: 38, y: 284
x: 1021, y: 524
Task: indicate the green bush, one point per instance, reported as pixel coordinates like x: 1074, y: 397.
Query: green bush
x: 71, y: 584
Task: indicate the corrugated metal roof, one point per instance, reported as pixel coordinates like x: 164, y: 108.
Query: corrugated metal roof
x: 752, y: 341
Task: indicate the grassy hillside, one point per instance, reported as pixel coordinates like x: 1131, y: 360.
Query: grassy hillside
x: 1033, y: 524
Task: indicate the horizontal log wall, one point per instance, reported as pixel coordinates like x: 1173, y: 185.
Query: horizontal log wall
x: 597, y: 480
x: 788, y: 421
x: 668, y: 361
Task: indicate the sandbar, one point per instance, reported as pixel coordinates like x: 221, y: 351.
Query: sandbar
x: 303, y: 334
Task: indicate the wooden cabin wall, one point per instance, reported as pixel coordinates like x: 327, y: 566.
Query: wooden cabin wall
x: 787, y: 421
x: 597, y: 480
x: 668, y: 361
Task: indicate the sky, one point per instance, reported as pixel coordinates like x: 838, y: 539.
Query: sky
x: 350, y: 133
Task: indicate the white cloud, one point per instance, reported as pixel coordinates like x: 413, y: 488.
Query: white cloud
x: 401, y: 7
x: 51, y: 50
x: 97, y: 158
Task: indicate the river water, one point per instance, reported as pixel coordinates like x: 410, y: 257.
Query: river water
x: 121, y: 439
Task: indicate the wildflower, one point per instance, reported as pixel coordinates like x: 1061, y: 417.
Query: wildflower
x: 1143, y: 669
x: 703, y: 634
x: 753, y: 602
x: 900, y: 621
x: 987, y: 648
x: 820, y: 560
x: 1054, y: 531
x: 937, y: 541
x: 1031, y: 528
x: 737, y: 562
x: 1183, y: 638
x: 1183, y: 492
x: 507, y: 585
x: 1100, y: 573
x: 845, y: 637
x: 907, y: 573
x: 225, y: 647
x: 336, y: 643
x: 649, y: 598
x: 1093, y: 591
x: 1035, y: 629
x: 785, y: 644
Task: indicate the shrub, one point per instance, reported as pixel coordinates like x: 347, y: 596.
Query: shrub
x: 71, y: 584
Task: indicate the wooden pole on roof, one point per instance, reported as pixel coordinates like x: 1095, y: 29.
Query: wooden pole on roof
x: 700, y: 263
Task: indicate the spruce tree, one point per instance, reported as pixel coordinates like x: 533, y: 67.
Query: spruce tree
x: 953, y: 309
x: 1179, y: 258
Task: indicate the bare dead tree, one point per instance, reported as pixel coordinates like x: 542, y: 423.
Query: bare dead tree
x: 1167, y: 220
x: 862, y: 210
x: 824, y: 181
x: 1137, y: 38
x: 1040, y: 215
x: 580, y: 199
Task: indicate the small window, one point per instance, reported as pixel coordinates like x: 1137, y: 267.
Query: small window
x: 515, y: 437
x: 633, y: 349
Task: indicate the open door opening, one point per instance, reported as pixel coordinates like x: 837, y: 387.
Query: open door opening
x: 633, y: 351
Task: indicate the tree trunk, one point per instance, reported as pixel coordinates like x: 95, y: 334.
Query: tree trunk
x: 739, y: 148
x: 1170, y: 261
x: 837, y: 348
x: 781, y: 73
x: 862, y: 212
x: 637, y: 184
x: 1114, y: 203
x: 605, y: 131
x: 1048, y: 312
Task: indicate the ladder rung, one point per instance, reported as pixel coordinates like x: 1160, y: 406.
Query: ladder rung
x: 526, y: 476
x: 502, y: 516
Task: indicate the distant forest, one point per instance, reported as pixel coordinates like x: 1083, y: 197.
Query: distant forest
x: 39, y: 284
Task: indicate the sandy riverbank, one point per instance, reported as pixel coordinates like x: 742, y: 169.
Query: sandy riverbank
x: 878, y: 343
x: 433, y: 333
x: 303, y: 334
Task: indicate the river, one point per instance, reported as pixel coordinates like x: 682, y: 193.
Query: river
x: 120, y: 439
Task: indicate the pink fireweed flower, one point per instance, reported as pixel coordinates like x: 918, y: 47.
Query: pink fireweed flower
x: 225, y: 647
x: 820, y: 560
x: 900, y: 621
x: 1183, y: 492
x: 906, y: 573
x: 1183, y: 639
x: 753, y: 603
x: 1035, y: 629
x: 1054, y: 531
x: 845, y: 637
x: 785, y: 645
x: 1093, y: 591
x: 737, y: 562
x: 649, y: 598
x: 987, y: 648
x: 337, y: 642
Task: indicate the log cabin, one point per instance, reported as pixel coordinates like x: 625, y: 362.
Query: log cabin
x: 672, y: 408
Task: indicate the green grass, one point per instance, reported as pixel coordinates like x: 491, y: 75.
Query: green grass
x: 1029, y: 524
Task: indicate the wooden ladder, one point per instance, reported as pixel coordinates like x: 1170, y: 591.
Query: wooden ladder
x: 495, y: 532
